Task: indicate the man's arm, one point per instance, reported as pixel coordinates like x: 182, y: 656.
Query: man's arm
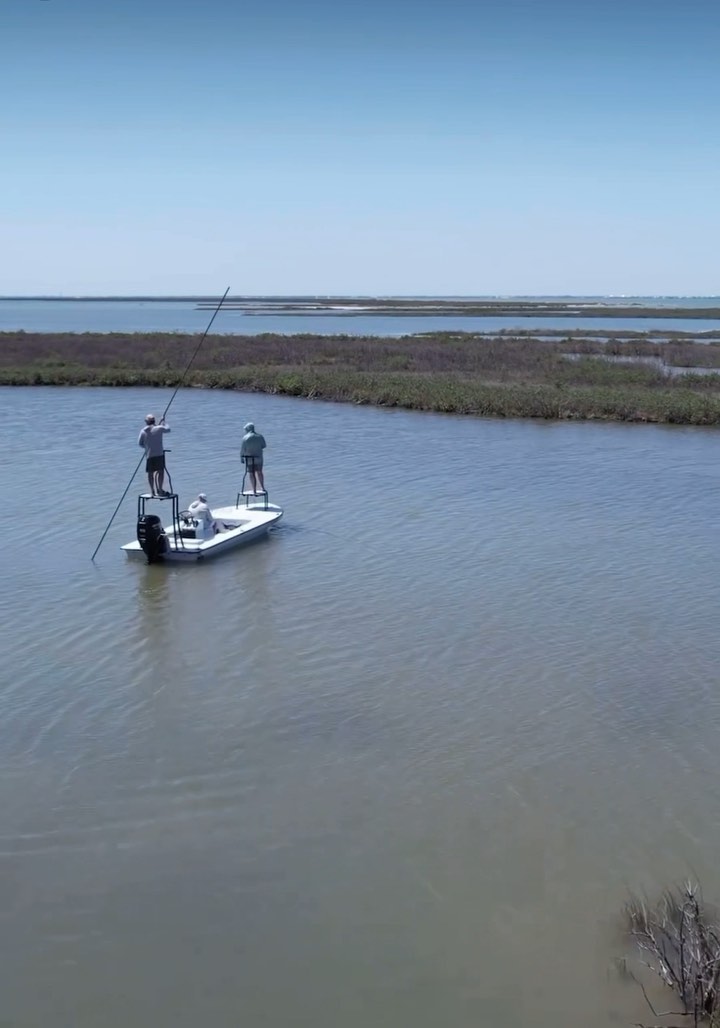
x: 142, y: 440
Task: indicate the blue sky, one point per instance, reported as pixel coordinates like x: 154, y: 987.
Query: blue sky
x: 394, y: 148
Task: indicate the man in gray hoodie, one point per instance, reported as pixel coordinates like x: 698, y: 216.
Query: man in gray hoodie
x: 251, y: 454
x: 152, y: 440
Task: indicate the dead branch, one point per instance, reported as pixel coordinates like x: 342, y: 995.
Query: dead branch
x: 676, y: 941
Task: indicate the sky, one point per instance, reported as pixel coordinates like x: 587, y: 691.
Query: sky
x: 492, y: 147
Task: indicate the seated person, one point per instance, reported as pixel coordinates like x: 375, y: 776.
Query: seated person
x: 200, y: 510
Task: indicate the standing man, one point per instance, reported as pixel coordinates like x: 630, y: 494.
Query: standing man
x: 152, y: 440
x: 251, y: 454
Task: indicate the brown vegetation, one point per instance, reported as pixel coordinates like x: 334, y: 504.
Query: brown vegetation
x: 621, y: 376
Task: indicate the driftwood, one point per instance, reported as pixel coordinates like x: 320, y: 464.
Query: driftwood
x: 679, y: 941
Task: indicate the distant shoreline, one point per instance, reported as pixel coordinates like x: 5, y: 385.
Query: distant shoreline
x: 668, y: 378
x: 354, y: 306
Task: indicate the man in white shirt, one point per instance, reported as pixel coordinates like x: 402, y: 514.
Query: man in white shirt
x: 200, y: 510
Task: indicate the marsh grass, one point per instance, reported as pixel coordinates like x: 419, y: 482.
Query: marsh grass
x: 500, y: 375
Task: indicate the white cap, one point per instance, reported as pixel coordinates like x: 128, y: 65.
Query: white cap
x: 202, y: 496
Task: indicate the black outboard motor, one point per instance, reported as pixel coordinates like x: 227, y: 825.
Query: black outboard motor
x: 152, y: 538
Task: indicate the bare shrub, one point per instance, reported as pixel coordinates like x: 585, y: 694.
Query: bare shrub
x: 678, y: 939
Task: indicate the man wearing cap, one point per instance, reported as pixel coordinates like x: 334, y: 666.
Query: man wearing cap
x: 200, y: 510
x: 152, y: 440
x: 251, y: 454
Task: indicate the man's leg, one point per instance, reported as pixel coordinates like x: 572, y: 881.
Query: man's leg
x: 159, y: 476
x: 261, y: 479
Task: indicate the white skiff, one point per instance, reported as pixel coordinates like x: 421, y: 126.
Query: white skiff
x: 182, y: 538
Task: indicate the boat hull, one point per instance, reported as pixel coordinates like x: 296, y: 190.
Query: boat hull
x: 245, y: 525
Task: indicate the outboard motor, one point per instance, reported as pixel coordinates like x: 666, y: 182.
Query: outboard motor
x: 151, y: 536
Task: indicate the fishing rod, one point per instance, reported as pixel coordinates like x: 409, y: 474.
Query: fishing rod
x: 177, y: 387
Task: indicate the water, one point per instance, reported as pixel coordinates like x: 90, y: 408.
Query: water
x: 182, y: 316
x: 395, y: 766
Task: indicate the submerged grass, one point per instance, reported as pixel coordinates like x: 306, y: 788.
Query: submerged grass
x: 502, y: 376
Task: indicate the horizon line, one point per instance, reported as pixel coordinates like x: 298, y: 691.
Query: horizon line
x: 209, y: 298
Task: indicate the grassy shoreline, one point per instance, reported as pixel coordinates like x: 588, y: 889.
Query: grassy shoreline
x: 620, y: 376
